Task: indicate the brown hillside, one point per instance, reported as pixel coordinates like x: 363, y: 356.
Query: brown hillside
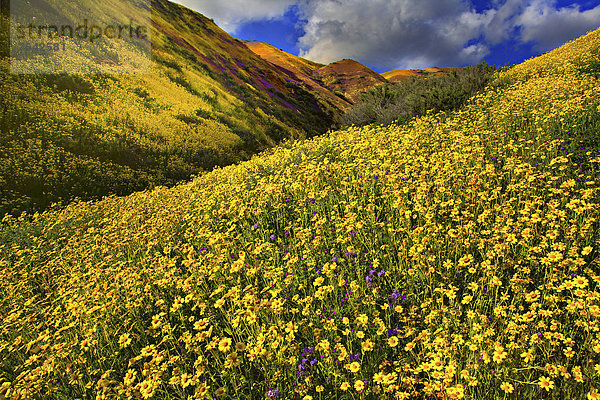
x: 298, y: 70
x: 434, y: 70
x: 349, y: 77
x: 286, y: 60
x: 399, y: 74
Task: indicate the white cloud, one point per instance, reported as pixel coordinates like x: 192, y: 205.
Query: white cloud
x: 548, y: 27
x: 229, y: 14
x: 502, y: 23
x: 389, y: 34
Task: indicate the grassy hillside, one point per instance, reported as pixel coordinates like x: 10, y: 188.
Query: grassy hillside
x: 209, y: 101
x: 454, y: 257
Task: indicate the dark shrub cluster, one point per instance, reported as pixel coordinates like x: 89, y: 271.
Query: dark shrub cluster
x: 413, y: 97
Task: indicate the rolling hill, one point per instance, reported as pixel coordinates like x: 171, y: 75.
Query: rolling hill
x: 301, y: 71
x: 399, y: 75
x: 339, y: 83
x: 209, y: 101
x: 349, y: 77
x: 295, y: 64
x: 454, y: 257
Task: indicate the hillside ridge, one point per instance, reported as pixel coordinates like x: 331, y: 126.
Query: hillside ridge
x: 300, y: 71
x: 210, y: 101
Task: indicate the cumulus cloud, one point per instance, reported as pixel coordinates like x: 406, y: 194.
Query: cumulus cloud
x: 389, y: 34
x: 230, y: 14
x: 502, y: 23
x: 548, y: 27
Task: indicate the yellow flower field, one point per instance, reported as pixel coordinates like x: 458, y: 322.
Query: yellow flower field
x: 456, y: 257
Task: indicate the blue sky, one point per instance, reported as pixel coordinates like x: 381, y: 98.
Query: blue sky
x: 390, y: 34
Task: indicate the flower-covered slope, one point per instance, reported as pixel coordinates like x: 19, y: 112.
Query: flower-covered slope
x: 208, y: 102
x: 456, y: 257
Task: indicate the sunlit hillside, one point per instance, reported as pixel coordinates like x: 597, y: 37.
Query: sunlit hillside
x: 399, y: 75
x: 295, y: 64
x: 208, y: 101
x: 349, y: 78
x: 453, y: 257
x: 303, y: 72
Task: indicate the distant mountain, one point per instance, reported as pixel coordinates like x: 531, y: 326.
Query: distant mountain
x: 399, y: 75
x: 349, y: 77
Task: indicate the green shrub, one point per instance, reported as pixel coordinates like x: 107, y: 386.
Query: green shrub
x: 414, y: 97
x: 73, y: 83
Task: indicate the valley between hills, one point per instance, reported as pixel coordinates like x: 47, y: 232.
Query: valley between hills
x: 453, y: 254
x: 210, y: 101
